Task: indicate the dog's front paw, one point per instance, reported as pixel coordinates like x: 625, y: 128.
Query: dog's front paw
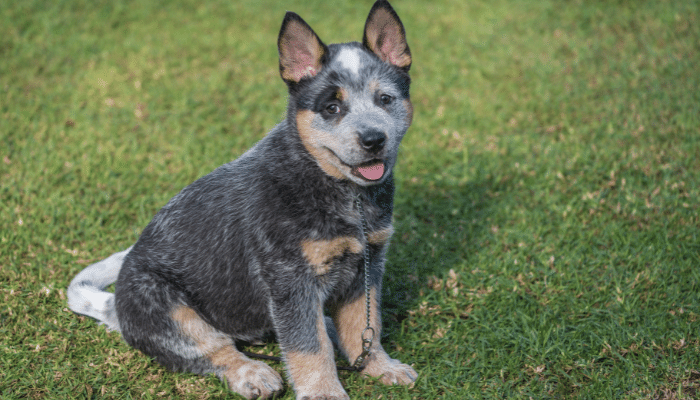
x: 389, y: 370
x: 320, y: 390
x: 254, y: 380
x: 339, y: 396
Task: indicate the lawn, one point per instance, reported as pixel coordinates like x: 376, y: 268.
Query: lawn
x: 547, y: 208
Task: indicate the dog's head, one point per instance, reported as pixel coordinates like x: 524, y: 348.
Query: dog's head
x: 350, y: 102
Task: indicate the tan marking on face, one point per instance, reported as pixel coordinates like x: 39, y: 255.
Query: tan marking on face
x: 315, y: 373
x: 341, y: 94
x: 409, y: 110
x: 351, y: 319
x: 381, y: 236
x: 373, y: 86
x: 317, y: 142
x: 321, y: 253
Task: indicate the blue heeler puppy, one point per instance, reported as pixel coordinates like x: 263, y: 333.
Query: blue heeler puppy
x: 268, y: 242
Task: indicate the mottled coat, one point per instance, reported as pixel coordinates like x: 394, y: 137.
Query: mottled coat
x: 269, y: 241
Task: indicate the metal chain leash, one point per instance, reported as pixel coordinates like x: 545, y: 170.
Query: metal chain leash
x: 366, y: 342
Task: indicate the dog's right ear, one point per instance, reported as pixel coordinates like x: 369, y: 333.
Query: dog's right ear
x: 301, y: 51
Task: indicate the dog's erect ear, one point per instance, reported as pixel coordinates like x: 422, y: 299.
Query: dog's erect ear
x: 301, y: 51
x: 385, y: 36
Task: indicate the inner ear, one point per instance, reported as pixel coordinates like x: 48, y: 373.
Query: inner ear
x: 385, y: 36
x: 300, y: 49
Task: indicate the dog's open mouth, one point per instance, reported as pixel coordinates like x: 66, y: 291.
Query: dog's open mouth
x: 371, y: 171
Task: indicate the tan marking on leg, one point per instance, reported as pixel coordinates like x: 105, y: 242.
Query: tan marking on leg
x: 350, y: 321
x: 381, y: 236
x: 206, y: 338
x: 321, y: 253
x: 314, y: 374
x: 317, y: 143
x: 227, y: 356
x: 251, y: 379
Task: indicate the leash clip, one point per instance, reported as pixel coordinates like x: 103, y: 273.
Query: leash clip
x: 360, y: 361
x: 366, y: 347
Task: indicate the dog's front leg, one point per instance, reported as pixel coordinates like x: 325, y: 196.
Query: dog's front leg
x: 307, y: 349
x: 350, y: 319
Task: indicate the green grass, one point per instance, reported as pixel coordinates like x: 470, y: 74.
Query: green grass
x: 547, y: 210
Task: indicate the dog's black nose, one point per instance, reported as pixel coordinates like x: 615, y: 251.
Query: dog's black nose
x: 372, y: 141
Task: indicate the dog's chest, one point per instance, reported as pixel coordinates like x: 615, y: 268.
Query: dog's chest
x: 322, y: 255
x: 360, y: 235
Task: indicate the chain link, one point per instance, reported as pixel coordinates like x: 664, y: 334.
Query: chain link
x: 366, y: 342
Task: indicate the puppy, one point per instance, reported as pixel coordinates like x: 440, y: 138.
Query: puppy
x: 268, y: 242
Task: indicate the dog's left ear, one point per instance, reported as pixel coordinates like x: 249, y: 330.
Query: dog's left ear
x: 385, y: 36
x: 301, y: 52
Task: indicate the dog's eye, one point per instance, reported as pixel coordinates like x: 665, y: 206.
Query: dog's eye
x: 333, y: 109
x: 385, y: 99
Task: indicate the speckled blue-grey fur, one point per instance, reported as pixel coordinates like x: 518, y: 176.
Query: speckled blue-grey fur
x: 229, y: 246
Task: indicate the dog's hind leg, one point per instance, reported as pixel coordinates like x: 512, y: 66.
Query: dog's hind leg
x: 155, y: 319
x: 86, y: 295
x: 252, y: 379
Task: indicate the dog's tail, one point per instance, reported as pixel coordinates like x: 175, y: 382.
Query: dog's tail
x: 86, y: 295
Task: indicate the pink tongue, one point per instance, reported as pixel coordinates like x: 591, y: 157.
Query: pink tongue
x: 373, y: 172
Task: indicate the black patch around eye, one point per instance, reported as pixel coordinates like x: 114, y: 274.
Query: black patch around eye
x: 329, y: 103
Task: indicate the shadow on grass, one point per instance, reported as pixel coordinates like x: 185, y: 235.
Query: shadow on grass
x: 437, y: 229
